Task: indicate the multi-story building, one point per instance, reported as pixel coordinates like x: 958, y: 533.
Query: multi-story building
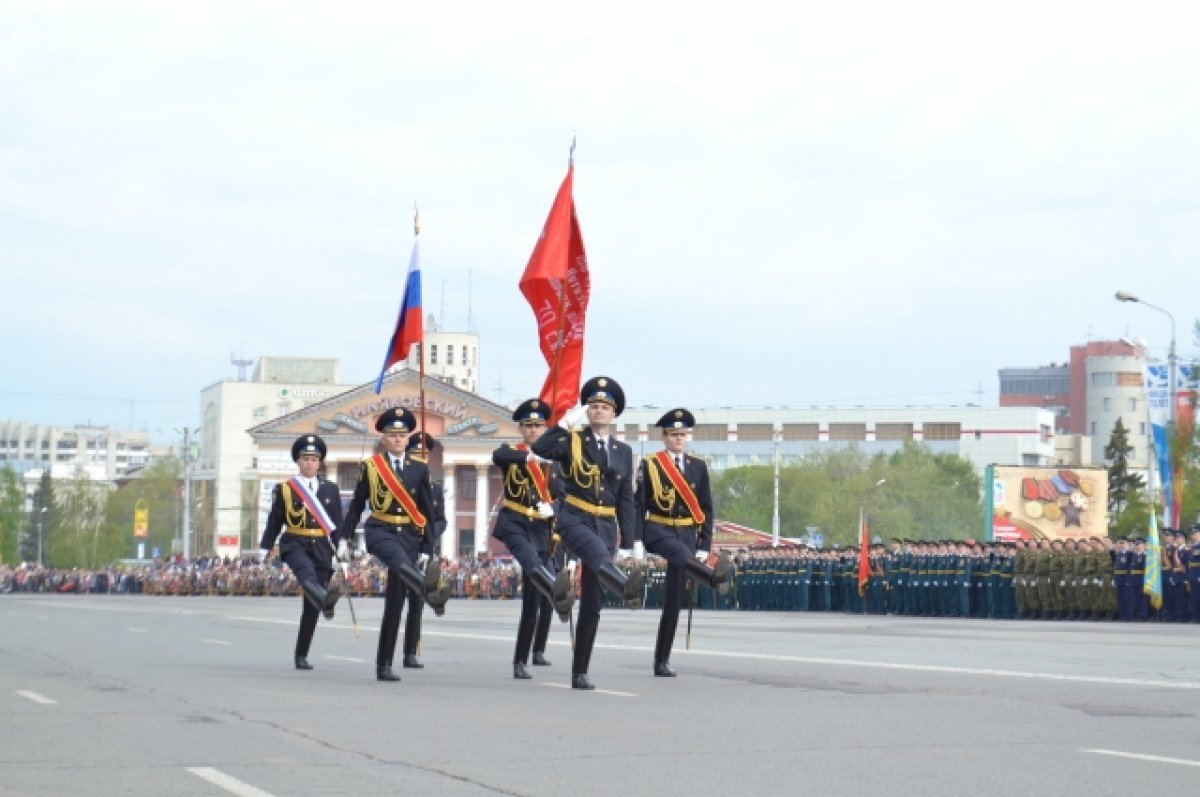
x: 1103, y: 381
x: 452, y: 357
x: 105, y: 454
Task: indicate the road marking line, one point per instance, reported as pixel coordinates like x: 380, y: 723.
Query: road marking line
x: 137, y: 630
x: 228, y: 783
x: 597, y: 691
x: 1158, y: 759
x: 346, y: 658
x: 217, y: 642
x: 35, y: 697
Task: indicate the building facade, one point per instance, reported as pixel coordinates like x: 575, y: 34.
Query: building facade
x: 1104, y: 380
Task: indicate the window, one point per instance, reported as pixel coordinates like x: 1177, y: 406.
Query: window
x: 1133, y: 405
x: 464, y: 356
x: 801, y: 431
x: 1104, y: 379
x: 465, y: 477
x: 631, y: 432
x: 710, y: 431
x: 939, y: 431
x: 1107, y: 403
x: 450, y: 354
x: 1045, y: 433
x: 893, y: 431
x: 1093, y: 427
x: 433, y: 354
x: 755, y: 431
x: 847, y: 431
x: 1142, y: 428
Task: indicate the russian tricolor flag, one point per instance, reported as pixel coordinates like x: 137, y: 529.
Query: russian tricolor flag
x: 410, y: 327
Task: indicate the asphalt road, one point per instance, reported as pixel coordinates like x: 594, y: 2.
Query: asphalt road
x: 197, y: 696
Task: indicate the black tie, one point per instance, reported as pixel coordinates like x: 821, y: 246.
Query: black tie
x: 602, y: 454
x: 679, y: 463
x: 396, y: 465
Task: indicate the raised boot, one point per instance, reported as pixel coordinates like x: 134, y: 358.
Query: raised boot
x: 557, y: 590
x: 414, y: 580
x: 627, y: 587
x: 314, y: 593
x: 712, y: 576
x: 331, y: 598
x: 435, y: 593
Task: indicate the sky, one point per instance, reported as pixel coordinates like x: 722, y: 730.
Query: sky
x: 872, y: 204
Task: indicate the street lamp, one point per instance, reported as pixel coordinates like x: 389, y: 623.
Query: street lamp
x: 1126, y: 296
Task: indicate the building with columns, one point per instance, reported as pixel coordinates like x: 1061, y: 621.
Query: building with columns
x: 467, y: 428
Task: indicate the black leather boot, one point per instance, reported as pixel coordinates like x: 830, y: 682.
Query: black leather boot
x: 314, y: 593
x: 557, y: 590
x: 411, y: 662
x: 385, y: 673
x: 331, y: 599
x: 302, y: 663
x: 585, y: 638
x: 524, y: 639
x: 628, y: 587
x: 662, y: 669
x: 540, y: 660
x: 712, y: 576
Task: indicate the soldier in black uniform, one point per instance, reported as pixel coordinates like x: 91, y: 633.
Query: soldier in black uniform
x: 674, y: 504
x: 420, y: 445
x: 598, y: 508
x: 308, y: 511
x: 523, y: 525
x: 400, y: 530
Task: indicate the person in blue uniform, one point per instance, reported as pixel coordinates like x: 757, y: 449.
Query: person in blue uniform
x: 598, y: 509
x: 400, y: 529
x: 674, y: 503
x: 523, y: 524
x: 306, y: 512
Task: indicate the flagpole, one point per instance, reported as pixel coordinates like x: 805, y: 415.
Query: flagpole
x: 420, y: 348
x: 562, y: 307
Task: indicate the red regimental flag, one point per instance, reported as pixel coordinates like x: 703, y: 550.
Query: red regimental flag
x: 864, y: 554
x: 556, y: 285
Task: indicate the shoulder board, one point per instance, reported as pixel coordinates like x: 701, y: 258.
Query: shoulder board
x: 417, y: 458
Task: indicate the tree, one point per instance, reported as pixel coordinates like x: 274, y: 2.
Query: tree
x: 12, y: 501
x: 1121, y: 483
x: 1134, y: 519
x: 79, y: 513
x: 923, y: 494
x: 158, y: 486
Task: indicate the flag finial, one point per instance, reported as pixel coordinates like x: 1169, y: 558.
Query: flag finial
x: 416, y: 220
x: 571, y: 155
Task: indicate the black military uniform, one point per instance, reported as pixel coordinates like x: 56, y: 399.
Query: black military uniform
x: 307, y: 542
x: 597, y: 512
x: 524, y: 526
x: 674, y: 504
x: 419, y: 447
x: 399, y: 532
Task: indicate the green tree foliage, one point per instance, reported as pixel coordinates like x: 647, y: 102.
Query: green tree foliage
x: 923, y: 495
x: 1134, y: 519
x: 159, y: 487
x: 1121, y: 483
x: 78, y: 514
x: 12, y: 515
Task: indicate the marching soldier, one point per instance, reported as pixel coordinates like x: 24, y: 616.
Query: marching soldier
x: 598, y: 509
x: 400, y: 529
x: 523, y: 525
x: 420, y: 446
x: 674, y: 504
x: 308, y: 511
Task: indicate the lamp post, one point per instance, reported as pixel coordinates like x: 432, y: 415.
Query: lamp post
x: 778, y: 435
x: 41, y: 530
x: 1126, y: 296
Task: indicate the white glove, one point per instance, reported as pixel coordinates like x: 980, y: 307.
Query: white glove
x: 263, y: 553
x: 574, y: 417
x: 702, y: 557
x: 545, y: 510
x: 532, y: 457
x: 639, y: 551
x: 571, y: 565
x: 343, y: 551
x: 422, y: 560
x: 624, y: 553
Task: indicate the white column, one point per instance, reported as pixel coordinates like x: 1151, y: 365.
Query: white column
x: 481, y: 506
x: 450, y: 489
